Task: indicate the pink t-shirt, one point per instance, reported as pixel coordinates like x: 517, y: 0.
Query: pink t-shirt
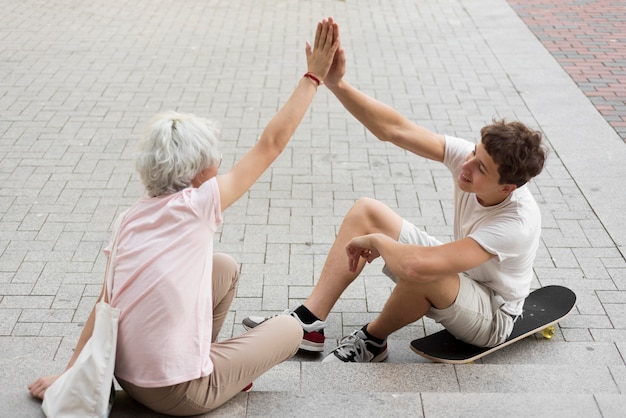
x: 162, y: 285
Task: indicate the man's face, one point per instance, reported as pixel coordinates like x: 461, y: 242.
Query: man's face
x: 479, y: 175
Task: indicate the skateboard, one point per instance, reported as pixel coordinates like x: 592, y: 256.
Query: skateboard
x: 543, y: 308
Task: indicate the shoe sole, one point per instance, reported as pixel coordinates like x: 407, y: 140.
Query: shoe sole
x: 306, y: 345
x: 381, y: 357
x: 332, y: 358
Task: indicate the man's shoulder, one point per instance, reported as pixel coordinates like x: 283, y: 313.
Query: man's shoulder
x: 456, y: 149
x: 454, y: 142
x: 522, y: 198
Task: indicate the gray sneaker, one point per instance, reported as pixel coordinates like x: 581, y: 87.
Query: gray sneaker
x: 313, y: 339
x: 357, y: 348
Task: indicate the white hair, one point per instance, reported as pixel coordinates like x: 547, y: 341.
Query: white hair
x: 174, y: 149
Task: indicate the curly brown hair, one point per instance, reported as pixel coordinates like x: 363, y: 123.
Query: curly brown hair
x: 516, y: 149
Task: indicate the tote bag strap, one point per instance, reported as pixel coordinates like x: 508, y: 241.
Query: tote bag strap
x: 108, y: 275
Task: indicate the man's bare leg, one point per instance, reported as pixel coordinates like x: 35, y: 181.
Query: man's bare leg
x: 410, y: 300
x: 365, y: 217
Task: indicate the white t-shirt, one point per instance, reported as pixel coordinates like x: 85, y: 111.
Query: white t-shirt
x: 162, y: 285
x: 509, y: 230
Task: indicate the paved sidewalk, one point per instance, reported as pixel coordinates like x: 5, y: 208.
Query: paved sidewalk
x: 588, y: 38
x: 79, y: 81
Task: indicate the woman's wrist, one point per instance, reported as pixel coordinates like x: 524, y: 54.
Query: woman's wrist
x: 313, y: 78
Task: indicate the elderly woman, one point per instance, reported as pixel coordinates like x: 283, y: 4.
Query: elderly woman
x: 173, y: 292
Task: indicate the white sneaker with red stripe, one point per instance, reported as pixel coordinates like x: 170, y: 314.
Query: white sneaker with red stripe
x: 313, y: 339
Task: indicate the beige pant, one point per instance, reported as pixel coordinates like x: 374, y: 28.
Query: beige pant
x: 237, y: 361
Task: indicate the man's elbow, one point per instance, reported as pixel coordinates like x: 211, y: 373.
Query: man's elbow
x: 391, y: 134
x: 420, y: 270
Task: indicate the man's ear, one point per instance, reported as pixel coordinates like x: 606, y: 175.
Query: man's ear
x: 508, y: 188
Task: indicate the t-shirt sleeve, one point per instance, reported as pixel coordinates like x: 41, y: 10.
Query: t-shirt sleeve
x: 205, y: 201
x: 117, y: 223
x: 504, y: 237
x: 456, y: 151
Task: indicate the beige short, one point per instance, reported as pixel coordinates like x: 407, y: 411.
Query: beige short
x: 475, y: 316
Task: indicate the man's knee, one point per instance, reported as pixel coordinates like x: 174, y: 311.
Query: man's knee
x: 372, y: 215
x: 363, y: 207
x: 440, y: 292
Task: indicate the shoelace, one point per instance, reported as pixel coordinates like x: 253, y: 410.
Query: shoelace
x: 352, y: 348
x: 285, y: 312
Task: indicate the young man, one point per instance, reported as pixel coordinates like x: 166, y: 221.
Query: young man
x: 475, y: 286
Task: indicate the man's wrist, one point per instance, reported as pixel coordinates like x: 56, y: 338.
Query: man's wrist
x: 334, y: 86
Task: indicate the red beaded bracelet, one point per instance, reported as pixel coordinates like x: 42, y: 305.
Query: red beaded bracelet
x: 314, y: 78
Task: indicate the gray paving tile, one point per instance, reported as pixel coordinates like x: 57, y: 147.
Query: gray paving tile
x: 17, y: 372
x: 609, y: 334
x: 22, y: 348
x: 540, y: 351
x: 619, y: 374
x: 492, y: 405
x: 611, y: 406
x: 543, y: 379
x: 283, y: 377
x: 333, y: 404
x: 382, y: 377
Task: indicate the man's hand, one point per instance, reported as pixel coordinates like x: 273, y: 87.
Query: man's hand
x: 338, y: 66
x: 361, y: 247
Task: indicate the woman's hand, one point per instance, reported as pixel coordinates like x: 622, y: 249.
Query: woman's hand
x: 320, y: 57
x: 38, y: 388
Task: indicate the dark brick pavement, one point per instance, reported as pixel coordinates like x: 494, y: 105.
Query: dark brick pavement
x: 588, y: 38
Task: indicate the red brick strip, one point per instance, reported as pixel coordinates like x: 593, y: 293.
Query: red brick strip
x: 588, y: 38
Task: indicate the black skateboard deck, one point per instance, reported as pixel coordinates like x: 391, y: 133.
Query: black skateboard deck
x: 543, y: 308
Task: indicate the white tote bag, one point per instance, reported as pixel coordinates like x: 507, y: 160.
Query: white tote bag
x: 86, y: 389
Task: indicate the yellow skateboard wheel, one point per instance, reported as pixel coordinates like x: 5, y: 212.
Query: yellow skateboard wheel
x: 548, y: 332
